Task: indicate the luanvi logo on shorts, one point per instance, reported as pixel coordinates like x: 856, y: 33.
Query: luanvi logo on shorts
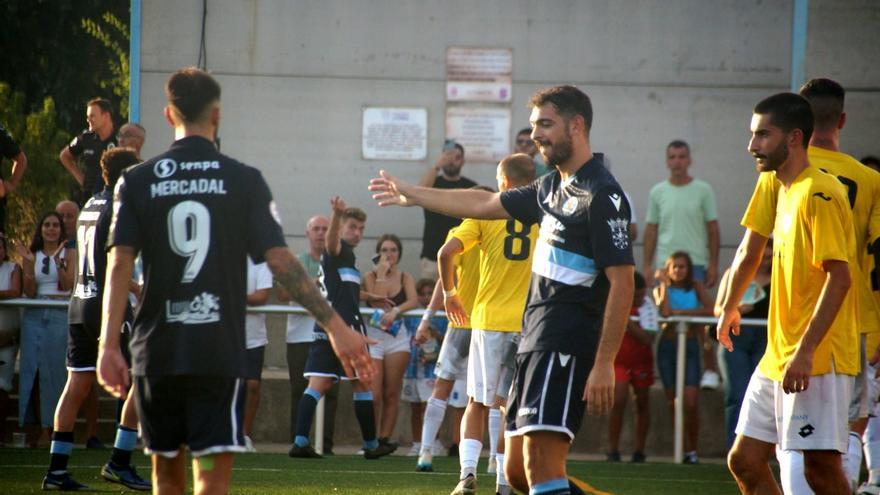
x: 527, y: 411
x: 204, y: 308
x: 806, y: 430
x: 564, y: 359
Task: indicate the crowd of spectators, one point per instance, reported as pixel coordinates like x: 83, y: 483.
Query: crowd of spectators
x: 680, y: 268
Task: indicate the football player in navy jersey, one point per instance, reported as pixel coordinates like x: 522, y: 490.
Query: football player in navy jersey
x: 581, y: 285
x: 84, y: 317
x: 189, y: 211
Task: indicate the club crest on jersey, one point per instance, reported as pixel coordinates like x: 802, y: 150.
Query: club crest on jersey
x: 570, y: 206
x: 204, y: 308
x: 619, y: 232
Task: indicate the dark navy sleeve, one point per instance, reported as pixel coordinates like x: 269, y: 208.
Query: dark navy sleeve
x: 8, y: 147
x: 264, y: 221
x: 522, y: 203
x: 609, y: 228
x: 76, y: 145
x: 124, y: 228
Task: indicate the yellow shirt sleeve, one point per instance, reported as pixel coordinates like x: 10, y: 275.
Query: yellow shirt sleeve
x: 760, y: 215
x: 828, y: 236
x: 470, y: 233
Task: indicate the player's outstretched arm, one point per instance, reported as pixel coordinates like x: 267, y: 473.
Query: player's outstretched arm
x: 461, y: 203
x: 599, y: 392
x: 745, y: 265
x: 349, y: 345
x: 112, y: 369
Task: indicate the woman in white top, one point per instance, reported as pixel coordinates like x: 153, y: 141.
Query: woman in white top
x: 10, y: 288
x: 46, y: 274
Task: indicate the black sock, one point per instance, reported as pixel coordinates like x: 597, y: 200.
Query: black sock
x: 573, y: 489
x: 363, y: 411
x: 305, y: 413
x: 59, y: 452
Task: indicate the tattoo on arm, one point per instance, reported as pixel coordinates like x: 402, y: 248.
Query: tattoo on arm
x: 297, y: 283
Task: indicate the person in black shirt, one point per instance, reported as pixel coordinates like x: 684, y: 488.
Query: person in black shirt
x: 84, y: 318
x: 195, y: 214
x: 582, y: 281
x: 10, y: 150
x: 87, y: 148
x: 437, y: 225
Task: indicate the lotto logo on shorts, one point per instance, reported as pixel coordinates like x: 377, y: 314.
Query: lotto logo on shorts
x: 527, y: 411
x: 806, y: 430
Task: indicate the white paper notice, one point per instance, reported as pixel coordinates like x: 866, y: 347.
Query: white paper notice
x: 395, y: 133
x: 479, y: 74
x: 483, y: 131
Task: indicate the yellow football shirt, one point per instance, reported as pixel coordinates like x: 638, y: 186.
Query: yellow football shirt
x: 467, y: 274
x: 813, y: 224
x: 863, y: 196
x: 505, y: 248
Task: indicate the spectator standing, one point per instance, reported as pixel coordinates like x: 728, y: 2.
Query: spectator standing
x: 634, y: 366
x: 10, y: 150
x: 390, y: 353
x: 10, y: 288
x: 300, y: 334
x: 259, y: 283
x: 132, y: 135
x: 46, y: 275
x: 437, y: 225
x: 680, y: 294
x: 81, y: 158
x: 523, y: 144
x: 682, y: 216
x: 749, y: 345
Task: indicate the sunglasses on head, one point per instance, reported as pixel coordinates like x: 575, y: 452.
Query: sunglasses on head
x: 45, y: 268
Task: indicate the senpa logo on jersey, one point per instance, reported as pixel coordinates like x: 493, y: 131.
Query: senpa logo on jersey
x: 204, y: 308
x: 165, y: 168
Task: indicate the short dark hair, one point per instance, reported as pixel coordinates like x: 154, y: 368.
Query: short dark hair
x: 679, y: 143
x: 191, y: 92
x: 871, y: 161
x: 459, y: 147
x: 519, y: 168
x: 826, y: 98
x: 788, y: 111
x: 525, y: 130
x: 101, y: 103
x: 567, y: 100
x: 393, y: 238
x: 114, y: 161
x: 354, y: 213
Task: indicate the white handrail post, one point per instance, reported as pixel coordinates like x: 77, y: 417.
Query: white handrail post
x: 681, y: 329
x: 319, y: 427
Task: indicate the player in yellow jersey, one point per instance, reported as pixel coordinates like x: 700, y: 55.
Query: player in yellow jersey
x: 862, y: 185
x: 451, y: 367
x: 505, y: 248
x: 798, y: 396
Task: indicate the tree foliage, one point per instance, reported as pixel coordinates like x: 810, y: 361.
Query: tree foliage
x: 45, y: 182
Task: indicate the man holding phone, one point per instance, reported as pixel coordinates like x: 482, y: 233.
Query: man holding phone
x: 448, y: 166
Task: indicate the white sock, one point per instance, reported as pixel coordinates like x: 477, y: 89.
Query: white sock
x: 417, y: 446
x: 494, y: 426
x: 872, y: 450
x: 499, y: 473
x: 434, y: 412
x: 791, y: 472
x: 852, y: 460
x: 468, y: 455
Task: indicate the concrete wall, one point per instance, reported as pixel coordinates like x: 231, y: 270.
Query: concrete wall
x: 296, y: 74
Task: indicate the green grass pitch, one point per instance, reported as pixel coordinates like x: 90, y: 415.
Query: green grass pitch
x: 21, y: 471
